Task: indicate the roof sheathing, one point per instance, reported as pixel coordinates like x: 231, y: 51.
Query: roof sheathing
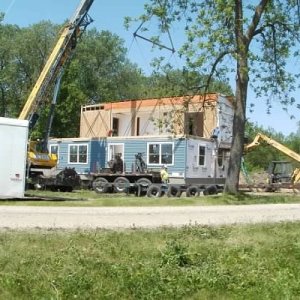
x: 158, y: 101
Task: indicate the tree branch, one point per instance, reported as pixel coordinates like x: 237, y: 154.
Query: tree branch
x: 255, y: 20
x: 214, y: 67
x: 285, y: 26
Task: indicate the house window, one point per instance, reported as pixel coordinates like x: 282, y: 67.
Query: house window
x: 201, y: 157
x: 115, y: 126
x: 137, y: 126
x: 115, y: 149
x: 160, y: 153
x: 221, y: 156
x: 54, y: 149
x: 194, y: 123
x: 78, y: 154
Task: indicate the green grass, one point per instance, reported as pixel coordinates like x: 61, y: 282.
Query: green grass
x: 230, y: 262
x: 90, y: 198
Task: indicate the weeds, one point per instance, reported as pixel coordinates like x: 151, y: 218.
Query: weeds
x: 230, y: 262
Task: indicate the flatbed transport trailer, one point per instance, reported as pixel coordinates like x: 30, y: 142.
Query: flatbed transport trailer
x: 148, y: 184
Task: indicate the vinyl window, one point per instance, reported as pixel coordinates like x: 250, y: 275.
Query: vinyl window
x: 160, y: 153
x: 78, y: 154
x: 201, y: 155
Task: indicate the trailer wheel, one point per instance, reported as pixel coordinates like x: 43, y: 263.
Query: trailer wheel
x: 210, y: 190
x: 121, y: 184
x: 154, y: 191
x: 192, y: 191
x: 100, y: 185
x: 173, y: 191
x: 144, y: 181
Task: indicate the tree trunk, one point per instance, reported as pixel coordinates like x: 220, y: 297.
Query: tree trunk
x: 237, y: 146
x: 242, y: 79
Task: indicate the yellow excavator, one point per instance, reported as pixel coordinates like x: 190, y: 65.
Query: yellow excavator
x: 39, y: 160
x: 279, y: 171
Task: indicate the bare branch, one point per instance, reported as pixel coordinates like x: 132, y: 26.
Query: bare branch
x: 286, y: 27
x: 214, y: 67
x: 255, y: 20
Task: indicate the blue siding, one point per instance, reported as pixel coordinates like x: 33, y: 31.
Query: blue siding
x: 134, y: 146
x: 131, y: 148
x: 97, y: 153
x: 180, y: 156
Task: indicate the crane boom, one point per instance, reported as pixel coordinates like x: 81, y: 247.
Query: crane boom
x: 41, y: 164
x: 58, y: 57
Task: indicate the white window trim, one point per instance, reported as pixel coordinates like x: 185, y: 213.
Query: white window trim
x: 54, y: 145
x: 160, y: 163
x: 78, y: 163
x: 115, y: 144
x: 57, y: 154
x: 198, y: 155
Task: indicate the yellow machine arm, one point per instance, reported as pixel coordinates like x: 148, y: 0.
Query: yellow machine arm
x: 290, y: 153
x: 38, y: 157
x: 59, y: 55
x: 285, y: 150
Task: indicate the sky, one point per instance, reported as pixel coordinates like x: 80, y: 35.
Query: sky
x: 109, y: 15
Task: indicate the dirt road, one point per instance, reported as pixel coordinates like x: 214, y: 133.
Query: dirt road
x: 25, y: 217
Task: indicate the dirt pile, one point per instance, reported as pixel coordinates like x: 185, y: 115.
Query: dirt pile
x: 254, y: 178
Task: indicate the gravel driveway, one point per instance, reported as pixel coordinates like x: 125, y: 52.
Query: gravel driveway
x: 25, y: 217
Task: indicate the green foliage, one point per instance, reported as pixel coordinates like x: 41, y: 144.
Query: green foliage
x: 98, y: 72
x: 222, y: 40
x: 175, y: 253
x: 81, y: 198
x: 260, y: 157
x: 194, y: 262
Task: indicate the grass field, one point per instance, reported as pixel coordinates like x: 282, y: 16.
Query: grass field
x: 229, y: 262
x: 232, y: 262
x: 90, y: 198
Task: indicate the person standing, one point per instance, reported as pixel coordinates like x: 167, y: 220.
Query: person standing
x: 164, y: 174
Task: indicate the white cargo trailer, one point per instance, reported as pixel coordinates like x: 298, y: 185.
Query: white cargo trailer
x: 13, y: 153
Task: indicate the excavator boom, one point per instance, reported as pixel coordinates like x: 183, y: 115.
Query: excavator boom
x: 290, y: 153
x: 295, y: 176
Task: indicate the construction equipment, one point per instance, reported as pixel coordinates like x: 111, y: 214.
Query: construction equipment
x: 279, y: 171
x: 38, y: 157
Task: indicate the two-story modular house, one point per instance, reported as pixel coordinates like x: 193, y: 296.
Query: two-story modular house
x: 191, y: 135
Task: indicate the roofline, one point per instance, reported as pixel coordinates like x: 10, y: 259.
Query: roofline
x: 179, y: 100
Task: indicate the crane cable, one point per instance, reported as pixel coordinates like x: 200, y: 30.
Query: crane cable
x: 9, y: 7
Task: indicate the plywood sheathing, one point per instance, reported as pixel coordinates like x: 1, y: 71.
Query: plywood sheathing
x: 96, y: 120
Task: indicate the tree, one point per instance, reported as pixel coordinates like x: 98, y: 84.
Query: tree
x: 253, y: 159
x: 9, y: 95
x: 170, y: 82
x: 259, y: 38
x: 98, y: 72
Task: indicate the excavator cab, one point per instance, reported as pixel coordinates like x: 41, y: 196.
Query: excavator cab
x: 37, y: 158
x: 280, y: 172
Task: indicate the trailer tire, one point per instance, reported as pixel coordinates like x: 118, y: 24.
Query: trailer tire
x: 173, y: 191
x: 121, y: 184
x: 210, y: 190
x: 192, y: 191
x: 144, y: 181
x: 154, y: 191
x: 100, y: 185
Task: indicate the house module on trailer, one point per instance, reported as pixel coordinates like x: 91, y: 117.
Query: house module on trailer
x: 191, y: 135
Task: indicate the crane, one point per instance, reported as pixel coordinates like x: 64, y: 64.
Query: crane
x: 40, y: 158
x: 295, y: 176
x: 58, y: 57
